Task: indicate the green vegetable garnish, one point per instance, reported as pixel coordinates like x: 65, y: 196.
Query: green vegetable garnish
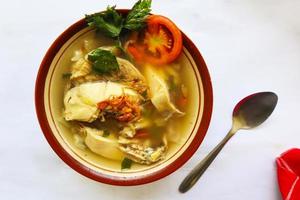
x: 66, y: 75
x: 111, y: 23
x: 126, y: 163
x: 106, y: 133
x: 172, y: 84
x: 104, y: 62
x: 136, y: 18
x: 145, y: 94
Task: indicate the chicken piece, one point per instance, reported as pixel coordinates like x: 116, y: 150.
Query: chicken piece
x: 132, y: 76
x: 129, y: 131
x: 160, y: 96
x: 141, y: 152
x: 127, y: 74
x: 126, y: 71
x: 129, y: 71
x: 80, y: 68
x: 107, y: 147
x: 81, y: 102
x: 77, y: 109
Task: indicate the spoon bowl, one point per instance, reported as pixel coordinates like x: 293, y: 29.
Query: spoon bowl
x: 254, y: 109
x: 249, y: 113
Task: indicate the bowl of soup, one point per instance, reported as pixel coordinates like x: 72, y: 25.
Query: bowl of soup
x: 117, y: 116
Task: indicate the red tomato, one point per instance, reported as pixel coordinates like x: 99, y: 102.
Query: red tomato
x: 160, y: 43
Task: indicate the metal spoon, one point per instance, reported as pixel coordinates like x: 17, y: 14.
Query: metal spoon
x: 248, y: 113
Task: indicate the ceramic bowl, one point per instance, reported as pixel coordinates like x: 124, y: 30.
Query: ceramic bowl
x: 49, y: 105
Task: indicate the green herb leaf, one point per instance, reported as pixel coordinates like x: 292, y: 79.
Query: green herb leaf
x: 145, y: 94
x: 106, y: 133
x: 109, y: 22
x: 104, y: 62
x: 136, y: 18
x: 66, y: 75
x: 172, y: 84
x: 126, y: 163
x: 119, y: 45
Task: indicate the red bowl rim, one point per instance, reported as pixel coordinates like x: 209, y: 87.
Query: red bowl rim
x: 72, y: 162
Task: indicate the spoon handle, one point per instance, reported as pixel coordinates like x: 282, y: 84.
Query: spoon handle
x: 196, y: 173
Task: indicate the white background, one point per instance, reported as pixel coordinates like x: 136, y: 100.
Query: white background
x: 248, y: 45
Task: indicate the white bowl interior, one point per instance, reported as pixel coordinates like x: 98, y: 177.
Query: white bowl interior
x: 53, y: 99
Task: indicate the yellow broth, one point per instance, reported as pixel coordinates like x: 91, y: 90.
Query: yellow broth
x: 183, y: 125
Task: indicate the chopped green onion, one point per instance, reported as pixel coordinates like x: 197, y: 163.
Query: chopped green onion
x: 106, y: 133
x: 126, y: 163
x: 66, y: 75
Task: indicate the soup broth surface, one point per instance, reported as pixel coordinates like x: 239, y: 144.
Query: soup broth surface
x: 170, y: 130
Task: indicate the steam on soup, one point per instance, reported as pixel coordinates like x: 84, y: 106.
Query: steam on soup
x: 122, y: 100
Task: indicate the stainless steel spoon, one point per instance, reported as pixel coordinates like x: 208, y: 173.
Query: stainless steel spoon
x: 248, y: 113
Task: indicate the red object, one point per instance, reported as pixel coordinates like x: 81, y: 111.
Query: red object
x: 142, y: 133
x: 102, y: 105
x: 161, y: 43
x: 288, y: 172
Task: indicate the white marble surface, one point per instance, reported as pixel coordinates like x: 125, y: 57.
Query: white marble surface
x: 249, y: 46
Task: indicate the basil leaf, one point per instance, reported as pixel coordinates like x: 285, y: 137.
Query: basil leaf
x: 136, y: 18
x: 126, y: 163
x: 104, y: 62
x: 112, y: 24
x: 109, y: 22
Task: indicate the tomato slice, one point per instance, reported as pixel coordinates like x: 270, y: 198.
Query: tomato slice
x: 160, y: 43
